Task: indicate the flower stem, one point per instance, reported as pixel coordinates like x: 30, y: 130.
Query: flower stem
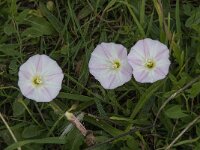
x: 9, y: 129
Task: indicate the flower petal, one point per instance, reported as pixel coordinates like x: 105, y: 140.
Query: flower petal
x: 103, y: 52
x: 48, y: 71
x: 47, y: 61
x: 104, y: 76
x: 25, y: 87
x: 156, y: 48
x: 112, y: 80
x: 140, y: 75
x: 163, y: 67
x: 101, y: 65
x: 143, y: 51
x: 27, y: 69
x: 55, y: 79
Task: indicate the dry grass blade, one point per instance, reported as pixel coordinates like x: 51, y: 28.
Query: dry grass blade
x: 173, y: 96
x: 182, y: 132
x: 10, y: 131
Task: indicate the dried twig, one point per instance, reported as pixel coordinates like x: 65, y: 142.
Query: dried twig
x: 88, y: 134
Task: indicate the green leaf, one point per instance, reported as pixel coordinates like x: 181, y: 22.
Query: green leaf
x: 13, y: 7
x: 187, y: 9
x: 13, y: 67
x: 20, y: 18
x: 142, y: 12
x: 75, y: 97
x: 49, y: 140
x: 194, y: 19
x: 18, y: 108
x: 100, y: 139
x: 100, y: 107
x: 52, y: 19
x: 198, y: 57
x: 198, y: 131
x: 31, y: 33
x: 178, y: 22
x: 132, y: 144
x: 9, y: 29
x: 132, y: 13
x: 125, y: 148
x: 103, y: 125
x: 145, y: 97
x: 197, y: 146
x: 194, y: 90
x: 39, y: 27
x: 84, y: 12
x: 9, y: 50
x: 178, y: 53
x: 110, y: 4
x: 175, y: 112
x: 121, y: 119
x: 75, y: 140
x: 31, y: 131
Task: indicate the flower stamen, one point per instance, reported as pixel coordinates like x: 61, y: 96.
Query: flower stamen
x: 150, y: 64
x: 37, y: 80
x: 116, y: 65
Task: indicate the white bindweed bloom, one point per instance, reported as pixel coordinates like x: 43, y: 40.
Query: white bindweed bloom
x: 40, y: 78
x: 149, y: 60
x: 109, y: 65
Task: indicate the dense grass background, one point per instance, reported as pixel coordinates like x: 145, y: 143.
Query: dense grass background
x: 165, y: 113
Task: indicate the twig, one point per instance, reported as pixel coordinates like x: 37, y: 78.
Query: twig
x: 173, y: 96
x: 134, y: 129
x: 9, y: 129
x: 182, y: 132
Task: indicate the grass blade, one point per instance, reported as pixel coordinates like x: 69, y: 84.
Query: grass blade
x: 52, y: 19
x: 49, y: 140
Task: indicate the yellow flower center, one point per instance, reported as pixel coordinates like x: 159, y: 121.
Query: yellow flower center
x: 150, y: 64
x: 37, y: 80
x: 116, y: 64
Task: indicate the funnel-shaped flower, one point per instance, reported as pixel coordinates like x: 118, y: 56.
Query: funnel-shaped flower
x: 40, y: 78
x: 109, y: 65
x: 149, y: 60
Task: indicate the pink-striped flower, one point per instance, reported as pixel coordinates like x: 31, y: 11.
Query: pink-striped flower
x: 40, y: 78
x: 149, y: 60
x: 109, y: 65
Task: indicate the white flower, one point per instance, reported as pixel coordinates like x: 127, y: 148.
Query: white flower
x: 40, y: 78
x: 149, y: 60
x: 109, y: 65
